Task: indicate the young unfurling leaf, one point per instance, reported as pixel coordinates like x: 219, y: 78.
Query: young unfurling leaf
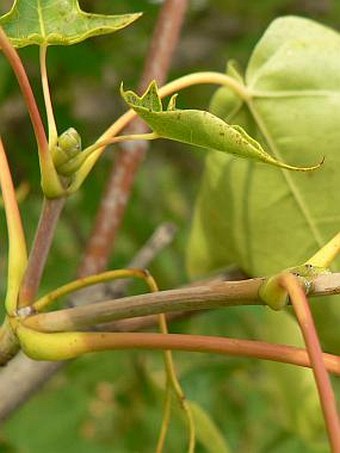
x: 199, y: 128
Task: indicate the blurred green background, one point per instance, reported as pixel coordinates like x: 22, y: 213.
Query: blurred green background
x: 112, y: 401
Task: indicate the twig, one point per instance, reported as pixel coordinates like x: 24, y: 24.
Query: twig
x: 119, y: 185
x: 213, y: 295
x: 19, y: 375
x: 148, y: 321
x: 49, y: 217
x: 326, y: 285
x: 160, y: 238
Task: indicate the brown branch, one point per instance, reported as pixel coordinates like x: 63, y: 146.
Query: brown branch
x: 214, y: 295
x: 159, y: 239
x: 208, y: 296
x: 326, y: 285
x: 116, y: 196
x: 49, y: 217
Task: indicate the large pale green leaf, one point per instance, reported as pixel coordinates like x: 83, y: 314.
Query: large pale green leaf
x: 199, y: 128
x: 262, y: 219
x: 265, y: 220
x: 57, y: 22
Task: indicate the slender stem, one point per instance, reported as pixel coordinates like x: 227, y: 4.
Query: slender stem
x: 67, y: 345
x: 20, y: 73
x: 326, y: 285
x: 51, y: 184
x: 326, y: 255
x: 21, y: 193
x: 17, y: 254
x: 49, y: 217
x: 174, y: 383
x: 52, y: 128
x: 210, y: 295
x: 206, y: 77
x: 76, y: 285
x: 160, y: 238
x: 214, y: 295
x: 120, y: 139
x: 326, y: 394
x: 162, y: 46
x: 172, y: 380
x: 165, y: 419
x: 87, y: 158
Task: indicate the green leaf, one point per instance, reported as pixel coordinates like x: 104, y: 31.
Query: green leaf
x: 208, y: 434
x: 198, y: 128
x: 265, y: 221
x: 57, y: 22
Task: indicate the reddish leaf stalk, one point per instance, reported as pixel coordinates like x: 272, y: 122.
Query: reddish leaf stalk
x: 27, y: 92
x: 326, y: 394
x: 51, y: 209
x: 116, y: 196
x: 17, y: 255
x: 79, y: 343
x: 222, y: 345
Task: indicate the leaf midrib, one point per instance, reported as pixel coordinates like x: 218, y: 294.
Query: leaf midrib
x: 296, y: 193
x: 41, y: 20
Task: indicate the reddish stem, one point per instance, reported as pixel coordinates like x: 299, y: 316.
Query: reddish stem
x: 27, y: 92
x: 51, y: 209
x: 116, y: 197
x: 17, y: 255
x: 79, y: 343
x: 44, y: 235
x: 326, y: 394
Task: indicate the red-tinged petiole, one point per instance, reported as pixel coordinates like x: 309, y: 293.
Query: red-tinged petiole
x: 326, y: 394
x: 50, y: 182
x: 17, y: 254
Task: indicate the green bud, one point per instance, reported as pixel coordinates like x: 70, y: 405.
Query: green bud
x: 68, y: 146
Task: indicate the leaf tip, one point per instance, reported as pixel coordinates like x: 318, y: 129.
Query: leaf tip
x: 313, y: 167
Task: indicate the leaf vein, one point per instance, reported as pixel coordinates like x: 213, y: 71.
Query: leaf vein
x: 290, y: 182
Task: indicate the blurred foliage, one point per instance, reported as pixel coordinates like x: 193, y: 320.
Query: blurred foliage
x: 111, y: 401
